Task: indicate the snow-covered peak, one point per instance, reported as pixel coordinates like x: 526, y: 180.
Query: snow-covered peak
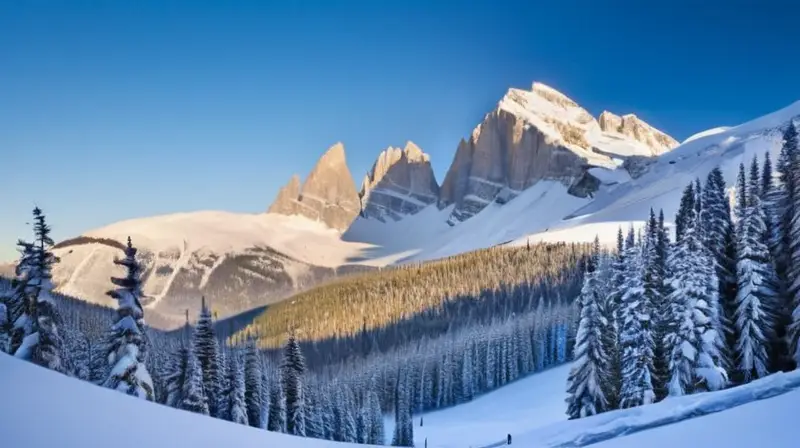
x: 562, y: 120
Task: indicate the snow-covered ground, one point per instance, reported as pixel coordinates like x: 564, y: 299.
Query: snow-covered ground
x: 76, y: 413
x: 526, y: 404
x: 41, y: 408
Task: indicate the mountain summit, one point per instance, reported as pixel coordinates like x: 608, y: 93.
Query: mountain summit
x: 540, y: 134
x: 328, y: 194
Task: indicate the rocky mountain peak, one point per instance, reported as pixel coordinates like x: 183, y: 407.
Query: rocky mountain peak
x: 540, y: 134
x: 328, y: 194
x: 401, y: 182
x: 633, y: 127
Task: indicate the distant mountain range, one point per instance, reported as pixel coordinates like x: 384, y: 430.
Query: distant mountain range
x: 538, y: 167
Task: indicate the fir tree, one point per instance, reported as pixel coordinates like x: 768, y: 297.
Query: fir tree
x: 687, y: 204
x: 404, y: 425
x: 693, y: 336
x: 252, y: 385
x: 235, y: 405
x: 127, y: 345
x: 36, y: 337
x: 792, y: 237
x: 206, y: 347
x: 177, y: 375
x: 376, y: 434
x: 636, y: 338
x: 756, y: 292
x: 591, y: 364
x: 741, y: 194
x: 276, y: 420
x: 292, y: 370
x: 193, y: 398
x: 719, y: 239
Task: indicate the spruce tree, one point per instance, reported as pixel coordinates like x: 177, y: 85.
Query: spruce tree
x: 756, y: 293
x: 693, y: 337
x: 792, y: 238
x: 252, y: 385
x: 636, y: 337
x: 591, y: 364
x: 235, y: 405
x: 127, y: 343
x: 276, y: 420
x: 404, y: 425
x: 36, y: 337
x: 193, y: 398
x: 719, y: 239
x: 206, y: 347
x: 177, y: 375
x: 687, y: 204
x: 376, y: 434
x: 292, y: 370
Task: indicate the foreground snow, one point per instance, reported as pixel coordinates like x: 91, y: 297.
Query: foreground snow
x: 532, y: 410
x: 78, y: 414
x: 744, y: 400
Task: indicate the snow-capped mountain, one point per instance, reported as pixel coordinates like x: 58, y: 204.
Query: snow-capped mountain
x: 538, y: 168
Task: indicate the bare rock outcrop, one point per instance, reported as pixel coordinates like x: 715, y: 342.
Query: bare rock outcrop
x: 328, y: 194
x: 400, y: 183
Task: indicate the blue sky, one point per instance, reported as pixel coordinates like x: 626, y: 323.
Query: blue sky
x: 114, y: 110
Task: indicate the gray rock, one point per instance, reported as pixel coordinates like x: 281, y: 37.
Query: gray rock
x: 400, y: 183
x: 328, y: 194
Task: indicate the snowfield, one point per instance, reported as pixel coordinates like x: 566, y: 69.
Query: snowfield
x: 80, y: 414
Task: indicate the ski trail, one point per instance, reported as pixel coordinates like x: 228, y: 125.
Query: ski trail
x: 179, y: 264
x: 207, y: 274
x: 78, y: 269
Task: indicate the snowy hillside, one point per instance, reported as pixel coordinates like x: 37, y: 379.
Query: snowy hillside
x: 79, y: 414
x: 530, y: 409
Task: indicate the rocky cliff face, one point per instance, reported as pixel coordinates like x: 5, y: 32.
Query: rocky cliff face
x: 400, y: 183
x: 535, y: 135
x: 632, y: 127
x: 328, y: 194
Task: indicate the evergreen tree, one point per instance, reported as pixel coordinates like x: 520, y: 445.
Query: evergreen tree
x: 193, y: 398
x: 292, y: 370
x: 719, y: 239
x: 591, y: 364
x: 236, y: 406
x: 766, y: 177
x: 792, y: 188
x: 404, y: 425
x: 252, y: 385
x: 687, y: 204
x: 693, y: 338
x: 376, y: 434
x: 127, y: 344
x: 741, y: 194
x: 276, y: 420
x: 37, y: 325
x: 206, y: 347
x: 756, y: 293
x: 177, y: 376
x: 636, y: 338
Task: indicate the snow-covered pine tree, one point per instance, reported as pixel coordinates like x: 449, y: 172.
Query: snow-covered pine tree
x: 590, y: 363
x: 754, y: 317
x: 741, y: 194
x: 719, y: 239
x: 292, y: 370
x: 127, y: 343
x: 177, y: 375
x: 404, y: 425
x: 693, y: 338
x: 636, y: 337
x: 252, y: 384
x: 687, y: 203
x: 793, y: 238
x: 41, y: 342
x: 193, y: 398
x: 315, y: 426
x: 376, y: 431
x: 235, y: 406
x: 276, y: 420
x: 654, y: 253
x: 206, y: 347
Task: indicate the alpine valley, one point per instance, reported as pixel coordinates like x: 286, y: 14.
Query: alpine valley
x: 539, y: 167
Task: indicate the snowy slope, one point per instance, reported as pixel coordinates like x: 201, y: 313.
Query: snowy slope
x: 74, y: 413
x: 533, y: 409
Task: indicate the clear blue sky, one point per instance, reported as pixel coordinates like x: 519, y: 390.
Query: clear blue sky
x: 113, y: 110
